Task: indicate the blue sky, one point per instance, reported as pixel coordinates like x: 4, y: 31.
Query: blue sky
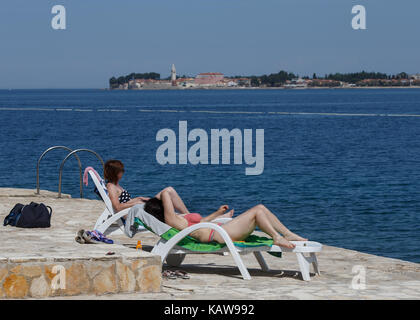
x: 115, y: 37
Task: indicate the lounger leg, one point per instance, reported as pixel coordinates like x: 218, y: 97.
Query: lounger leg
x: 315, y: 263
x: 261, y: 261
x: 237, y: 258
x: 304, y: 266
x: 161, y: 250
x: 102, y: 218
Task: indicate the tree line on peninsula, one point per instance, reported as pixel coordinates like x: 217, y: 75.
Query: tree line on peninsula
x: 278, y: 79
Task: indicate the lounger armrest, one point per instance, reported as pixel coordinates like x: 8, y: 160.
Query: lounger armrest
x: 222, y: 220
x: 103, y: 227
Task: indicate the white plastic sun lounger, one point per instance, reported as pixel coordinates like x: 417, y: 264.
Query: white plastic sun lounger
x: 170, y: 250
x: 109, y: 222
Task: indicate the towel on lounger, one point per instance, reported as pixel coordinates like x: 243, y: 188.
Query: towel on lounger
x: 137, y: 217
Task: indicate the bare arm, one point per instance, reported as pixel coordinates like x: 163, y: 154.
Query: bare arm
x: 171, y: 218
x: 216, y: 214
x: 143, y: 198
x: 114, y: 197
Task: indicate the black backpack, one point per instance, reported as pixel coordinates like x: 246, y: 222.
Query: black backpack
x: 33, y: 215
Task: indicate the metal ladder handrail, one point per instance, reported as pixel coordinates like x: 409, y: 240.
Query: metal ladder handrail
x: 42, y: 156
x: 68, y: 156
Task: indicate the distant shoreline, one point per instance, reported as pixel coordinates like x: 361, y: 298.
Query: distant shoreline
x: 263, y: 88
x: 211, y: 88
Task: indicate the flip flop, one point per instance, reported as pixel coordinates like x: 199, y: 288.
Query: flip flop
x: 79, y: 237
x: 168, y: 274
x: 181, y: 274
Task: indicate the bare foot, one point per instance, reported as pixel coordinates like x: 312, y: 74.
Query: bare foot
x: 294, y: 237
x: 228, y: 214
x: 282, y: 242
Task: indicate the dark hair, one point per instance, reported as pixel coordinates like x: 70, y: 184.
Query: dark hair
x: 111, y: 170
x: 154, y: 206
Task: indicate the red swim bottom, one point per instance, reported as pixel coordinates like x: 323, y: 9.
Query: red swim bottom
x: 211, y: 236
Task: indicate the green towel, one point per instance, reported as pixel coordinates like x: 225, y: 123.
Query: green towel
x: 193, y: 244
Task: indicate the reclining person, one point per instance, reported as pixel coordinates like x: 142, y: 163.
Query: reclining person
x: 239, y: 228
x: 167, y: 202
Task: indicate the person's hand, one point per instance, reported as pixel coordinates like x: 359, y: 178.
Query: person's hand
x: 144, y: 198
x: 224, y: 208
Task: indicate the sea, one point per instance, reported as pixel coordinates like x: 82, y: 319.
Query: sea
x: 341, y: 166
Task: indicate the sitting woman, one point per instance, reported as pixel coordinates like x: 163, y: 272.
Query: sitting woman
x: 120, y: 198
x: 239, y: 228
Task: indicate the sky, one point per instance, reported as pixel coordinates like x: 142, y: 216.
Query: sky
x: 106, y: 38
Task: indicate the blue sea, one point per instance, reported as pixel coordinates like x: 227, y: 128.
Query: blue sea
x: 342, y: 167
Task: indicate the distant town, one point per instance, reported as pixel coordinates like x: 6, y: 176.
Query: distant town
x: 282, y: 79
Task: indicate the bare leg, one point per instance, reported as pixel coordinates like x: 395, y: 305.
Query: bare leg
x: 280, y: 227
x: 179, y: 205
x: 243, y: 225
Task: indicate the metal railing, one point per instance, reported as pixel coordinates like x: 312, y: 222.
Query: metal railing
x: 54, y: 148
x: 68, y: 156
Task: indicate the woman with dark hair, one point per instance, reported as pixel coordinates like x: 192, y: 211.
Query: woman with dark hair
x: 239, y: 228
x: 120, y: 198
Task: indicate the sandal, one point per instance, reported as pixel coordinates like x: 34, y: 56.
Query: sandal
x: 168, y: 274
x: 79, y: 240
x: 181, y: 274
x: 79, y: 237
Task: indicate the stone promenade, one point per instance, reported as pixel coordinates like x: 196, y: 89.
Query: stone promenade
x: 28, y: 258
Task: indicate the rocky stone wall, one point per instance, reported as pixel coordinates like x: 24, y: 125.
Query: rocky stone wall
x: 40, y: 279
